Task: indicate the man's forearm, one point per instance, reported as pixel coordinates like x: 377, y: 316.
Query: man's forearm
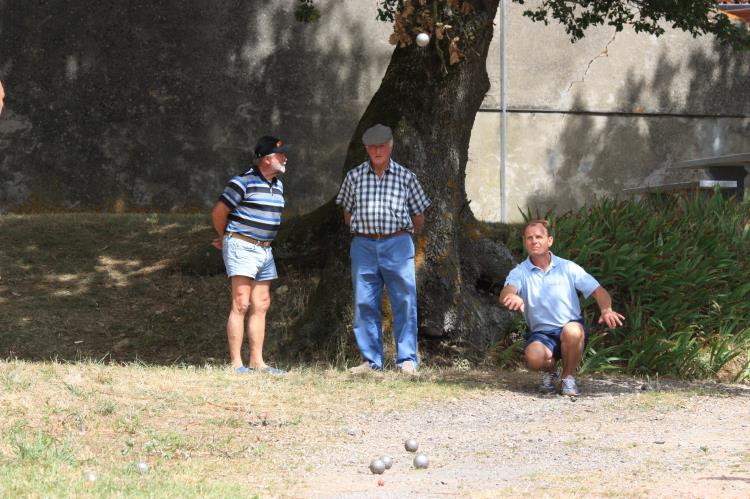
x: 219, y: 219
x: 418, y: 222
x: 507, y: 290
x: 603, y: 299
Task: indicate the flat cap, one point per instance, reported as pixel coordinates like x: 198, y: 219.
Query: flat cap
x: 377, y: 134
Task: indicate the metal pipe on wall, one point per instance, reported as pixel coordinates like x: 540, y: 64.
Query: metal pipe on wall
x: 503, y: 116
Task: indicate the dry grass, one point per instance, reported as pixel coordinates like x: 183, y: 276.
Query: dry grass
x: 127, y: 287
x: 207, y: 432
x: 203, y: 431
x: 114, y: 330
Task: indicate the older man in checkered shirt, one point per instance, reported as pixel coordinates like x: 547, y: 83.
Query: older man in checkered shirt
x: 383, y: 205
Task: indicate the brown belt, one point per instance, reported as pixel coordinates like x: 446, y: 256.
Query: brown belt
x: 381, y: 236
x: 250, y: 240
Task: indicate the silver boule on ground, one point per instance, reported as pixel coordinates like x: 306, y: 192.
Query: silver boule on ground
x: 411, y: 445
x: 377, y: 467
x: 421, y: 461
x: 387, y: 461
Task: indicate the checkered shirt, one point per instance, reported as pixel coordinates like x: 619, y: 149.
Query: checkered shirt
x: 382, y: 205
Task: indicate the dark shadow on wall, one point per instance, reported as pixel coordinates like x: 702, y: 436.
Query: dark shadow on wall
x: 145, y: 105
x: 601, y: 155
x: 153, y: 105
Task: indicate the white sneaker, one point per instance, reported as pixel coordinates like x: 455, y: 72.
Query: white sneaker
x: 569, y: 387
x: 408, y: 367
x: 550, y: 380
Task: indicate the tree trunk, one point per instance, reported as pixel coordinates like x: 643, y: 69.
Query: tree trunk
x: 459, y: 272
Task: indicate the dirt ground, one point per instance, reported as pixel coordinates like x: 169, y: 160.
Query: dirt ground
x: 620, y: 438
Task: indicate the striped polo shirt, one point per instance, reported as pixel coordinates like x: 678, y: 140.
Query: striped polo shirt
x: 255, y: 204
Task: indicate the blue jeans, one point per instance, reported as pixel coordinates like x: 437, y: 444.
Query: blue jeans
x: 390, y: 263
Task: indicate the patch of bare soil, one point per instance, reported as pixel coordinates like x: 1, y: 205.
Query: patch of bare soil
x: 620, y: 438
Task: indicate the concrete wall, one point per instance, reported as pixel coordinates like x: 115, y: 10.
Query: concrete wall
x: 152, y: 105
x: 606, y: 113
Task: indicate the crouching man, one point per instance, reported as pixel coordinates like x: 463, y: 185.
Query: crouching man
x: 544, y: 287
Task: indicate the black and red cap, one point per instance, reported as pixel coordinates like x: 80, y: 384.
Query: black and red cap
x: 269, y: 145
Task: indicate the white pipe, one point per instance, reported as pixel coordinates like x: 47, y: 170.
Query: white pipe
x: 503, y: 116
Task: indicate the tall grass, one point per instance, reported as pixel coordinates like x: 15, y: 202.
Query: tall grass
x: 679, y: 270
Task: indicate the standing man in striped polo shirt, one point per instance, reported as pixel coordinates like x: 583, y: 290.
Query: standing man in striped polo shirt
x: 246, y: 219
x: 383, y: 205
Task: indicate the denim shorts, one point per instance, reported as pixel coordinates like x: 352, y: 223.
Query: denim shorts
x: 243, y: 258
x: 551, y: 338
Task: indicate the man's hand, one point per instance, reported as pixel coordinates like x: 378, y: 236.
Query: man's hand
x: 512, y: 302
x: 611, y: 318
x: 217, y: 243
x: 417, y: 222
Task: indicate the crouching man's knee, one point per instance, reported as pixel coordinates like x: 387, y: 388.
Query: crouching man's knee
x: 573, y: 333
x: 538, y: 357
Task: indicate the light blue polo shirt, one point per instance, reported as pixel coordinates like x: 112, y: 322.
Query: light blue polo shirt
x: 550, y: 298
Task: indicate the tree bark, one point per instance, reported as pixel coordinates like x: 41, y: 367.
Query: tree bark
x: 431, y: 109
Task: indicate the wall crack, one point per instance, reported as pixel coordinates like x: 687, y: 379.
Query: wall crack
x: 603, y: 53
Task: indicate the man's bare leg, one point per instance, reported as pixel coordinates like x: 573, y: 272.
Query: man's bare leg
x: 260, y: 299
x: 539, y: 357
x: 241, y: 289
x: 571, y: 342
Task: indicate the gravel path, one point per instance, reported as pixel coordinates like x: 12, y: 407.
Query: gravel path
x: 620, y: 438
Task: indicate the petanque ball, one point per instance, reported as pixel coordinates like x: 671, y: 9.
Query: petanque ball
x: 411, y: 445
x: 377, y: 467
x: 387, y: 461
x: 421, y: 461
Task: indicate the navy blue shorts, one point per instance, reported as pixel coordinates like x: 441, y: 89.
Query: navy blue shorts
x: 551, y: 339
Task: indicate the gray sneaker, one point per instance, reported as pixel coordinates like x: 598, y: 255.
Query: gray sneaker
x: 569, y: 387
x: 550, y: 380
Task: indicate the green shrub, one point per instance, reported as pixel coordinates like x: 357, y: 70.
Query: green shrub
x: 678, y: 269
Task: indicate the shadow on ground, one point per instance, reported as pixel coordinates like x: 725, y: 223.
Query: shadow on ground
x: 122, y: 288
